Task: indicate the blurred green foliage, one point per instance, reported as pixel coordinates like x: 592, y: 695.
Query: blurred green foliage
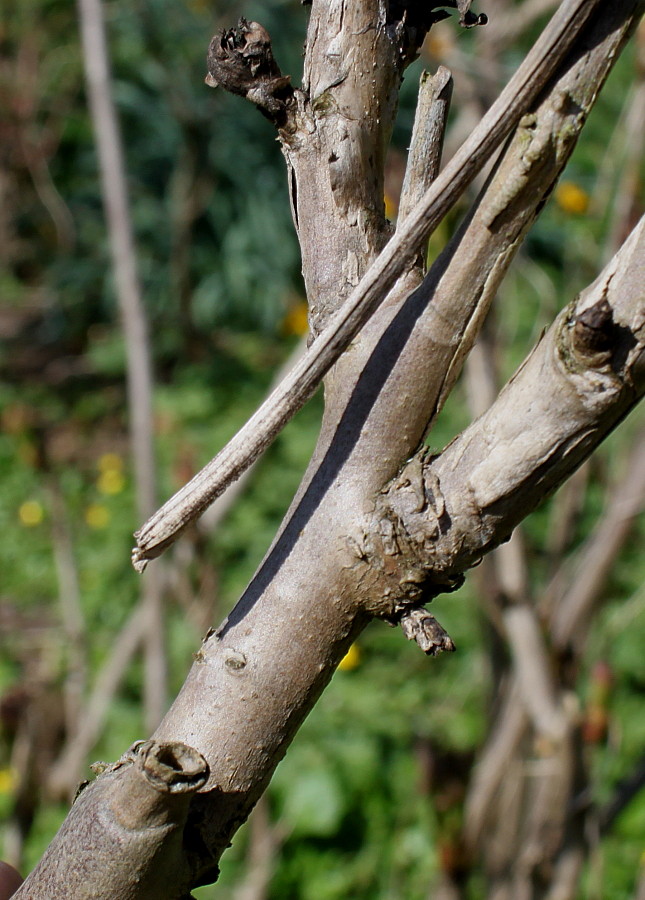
x: 349, y: 806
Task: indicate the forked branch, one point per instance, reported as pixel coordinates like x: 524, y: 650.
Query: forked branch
x: 579, y: 381
x: 162, y: 529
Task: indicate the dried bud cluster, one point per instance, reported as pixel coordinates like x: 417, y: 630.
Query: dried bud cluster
x: 240, y: 59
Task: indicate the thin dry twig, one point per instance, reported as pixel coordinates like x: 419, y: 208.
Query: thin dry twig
x: 265, y: 839
x: 71, y: 608
x: 139, y: 366
x: 625, y: 197
x: 426, y: 144
x: 586, y: 585
x: 492, y: 768
x: 65, y: 773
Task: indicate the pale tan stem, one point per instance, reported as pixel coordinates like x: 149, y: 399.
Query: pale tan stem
x: 139, y: 366
x: 71, y: 610
x: 68, y: 769
x: 426, y: 144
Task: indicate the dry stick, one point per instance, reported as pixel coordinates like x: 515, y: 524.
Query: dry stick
x: 492, y: 768
x: 213, y: 517
x: 422, y: 168
x: 574, y: 610
x: 633, y: 142
x: 71, y: 608
x: 256, y: 435
x: 65, y: 772
x: 265, y: 839
x: 139, y: 368
x: 426, y: 143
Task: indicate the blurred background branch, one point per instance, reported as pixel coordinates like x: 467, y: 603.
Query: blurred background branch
x: 135, y: 327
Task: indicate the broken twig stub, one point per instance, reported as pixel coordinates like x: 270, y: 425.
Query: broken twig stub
x: 240, y: 59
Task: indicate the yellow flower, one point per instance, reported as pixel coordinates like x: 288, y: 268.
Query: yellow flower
x: 391, y: 207
x: 31, y: 513
x: 7, y: 781
x: 295, y: 321
x: 97, y: 516
x: 351, y: 660
x: 571, y: 198
x: 110, y: 481
x: 110, y: 462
